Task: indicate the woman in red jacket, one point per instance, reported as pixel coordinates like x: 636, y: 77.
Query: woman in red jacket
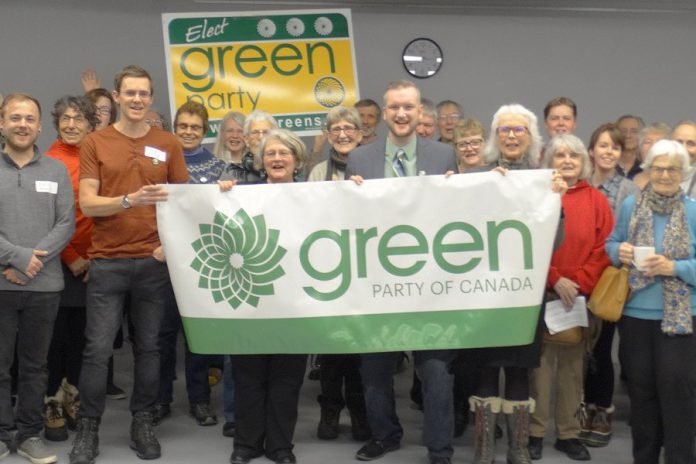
x: 575, y: 268
x: 74, y: 117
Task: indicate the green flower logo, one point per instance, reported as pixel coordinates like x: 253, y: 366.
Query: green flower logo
x: 238, y: 258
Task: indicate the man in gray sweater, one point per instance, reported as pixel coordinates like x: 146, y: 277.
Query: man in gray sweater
x: 37, y: 211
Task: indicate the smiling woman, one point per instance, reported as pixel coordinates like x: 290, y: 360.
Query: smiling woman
x: 343, y: 132
x: 606, y: 145
x: 283, y: 155
x: 656, y: 341
x: 267, y: 386
x: 575, y: 268
x: 469, y: 138
x: 515, y: 142
x: 73, y: 117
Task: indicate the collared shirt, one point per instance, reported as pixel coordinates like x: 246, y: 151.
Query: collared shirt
x: 635, y: 169
x: 409, y: 161
x: 610, y: 189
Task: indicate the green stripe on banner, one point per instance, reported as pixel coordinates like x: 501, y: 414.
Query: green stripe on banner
x: 365, y: 333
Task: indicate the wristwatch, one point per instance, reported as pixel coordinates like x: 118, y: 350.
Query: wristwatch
x: 125, y: 203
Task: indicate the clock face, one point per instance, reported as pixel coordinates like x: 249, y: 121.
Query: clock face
x: 422, y: 58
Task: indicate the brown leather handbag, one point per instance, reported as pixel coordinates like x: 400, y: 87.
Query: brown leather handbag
x: 610, y: 294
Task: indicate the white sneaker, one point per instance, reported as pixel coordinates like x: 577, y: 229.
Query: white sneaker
x: 4, y: 450
x: 36, y: 451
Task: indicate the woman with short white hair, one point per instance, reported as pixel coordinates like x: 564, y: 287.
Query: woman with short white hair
x: 657, y: 345
x: 576, y: 266
x: 514, y: 144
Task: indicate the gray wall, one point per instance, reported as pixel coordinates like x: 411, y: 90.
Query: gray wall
x: 609, y: 63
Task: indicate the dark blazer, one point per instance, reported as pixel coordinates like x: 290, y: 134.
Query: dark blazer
x: 431, y: 158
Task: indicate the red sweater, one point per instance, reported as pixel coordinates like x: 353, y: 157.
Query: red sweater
x: 70, y: 156
x: 588, y: 222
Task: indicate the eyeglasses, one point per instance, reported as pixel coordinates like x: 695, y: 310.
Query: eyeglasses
x: 143, y: 94
x: 671, y: 171
x: 349, y: 130
x: 517, y: 130
x: 65, y: 119
x: 155, y: 122
x: 475, y: 144
x: 194, y: 127
x: 449, y: 117
x: 280, y: 153
x: 259, y: 133
x: 104, y: 110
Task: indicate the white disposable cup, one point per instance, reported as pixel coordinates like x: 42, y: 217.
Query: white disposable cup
x: 639, y: 255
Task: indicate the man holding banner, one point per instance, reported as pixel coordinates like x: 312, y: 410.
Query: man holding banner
x: 403, y: 153
x: 120, y: 169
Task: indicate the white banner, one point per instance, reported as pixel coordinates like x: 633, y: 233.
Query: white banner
x: 425, y: 246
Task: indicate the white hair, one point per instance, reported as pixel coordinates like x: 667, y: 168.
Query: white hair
x: 533, y: 155
x: 671, y: 149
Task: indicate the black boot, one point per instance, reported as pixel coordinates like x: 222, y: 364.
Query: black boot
x: 328, y: 423
x: 143, y: 439
x: 86, y: 445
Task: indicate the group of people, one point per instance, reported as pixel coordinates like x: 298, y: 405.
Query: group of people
x: 87, y: 205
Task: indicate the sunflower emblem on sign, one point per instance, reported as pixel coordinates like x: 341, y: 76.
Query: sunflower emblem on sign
x: 329, y: 92
x: 238, y: 258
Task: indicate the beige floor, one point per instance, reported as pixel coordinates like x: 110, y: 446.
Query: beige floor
x: 183, y: 442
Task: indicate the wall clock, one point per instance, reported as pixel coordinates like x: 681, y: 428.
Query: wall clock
x: 422, y: 58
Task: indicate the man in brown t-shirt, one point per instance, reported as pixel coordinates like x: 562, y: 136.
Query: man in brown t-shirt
x: 121, y: 169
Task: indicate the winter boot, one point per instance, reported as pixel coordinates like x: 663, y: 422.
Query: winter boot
x: 485, y: 413
x: 54, y: 423
x: 600, y: 435
x: 71, y: 403
x: 587, y: 416
x: 517, y: 421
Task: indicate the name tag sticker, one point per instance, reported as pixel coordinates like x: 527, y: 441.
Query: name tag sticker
x: 152, y: 152
x: 46, y: 186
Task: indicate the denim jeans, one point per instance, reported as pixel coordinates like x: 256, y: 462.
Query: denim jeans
x: 197, y: 366
x: 27, y: 318
x: 434, y: 370
x: 144, y: 279
x: 169, y: 333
